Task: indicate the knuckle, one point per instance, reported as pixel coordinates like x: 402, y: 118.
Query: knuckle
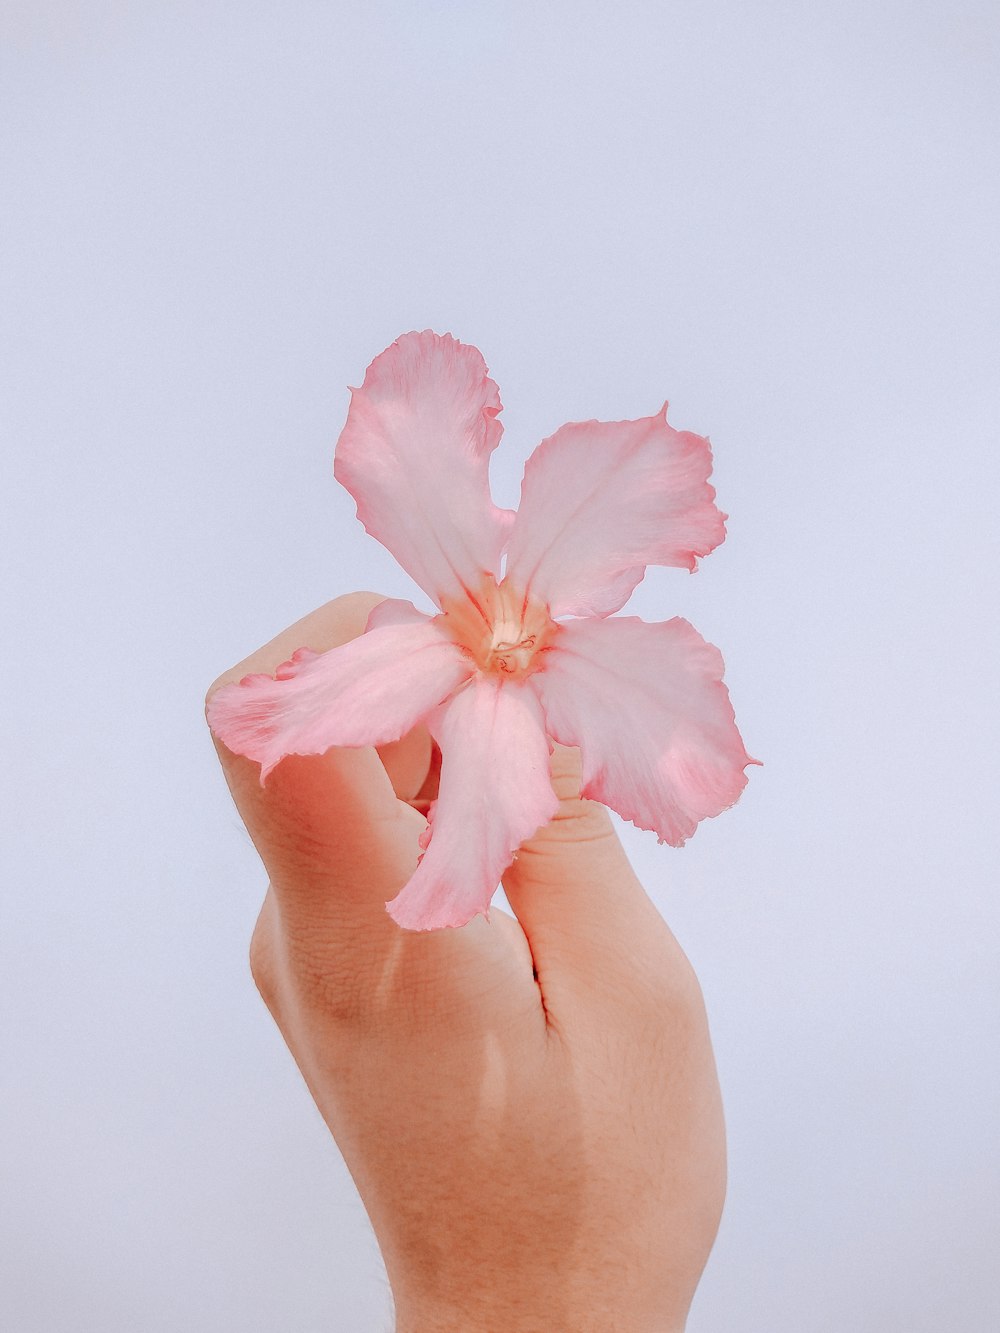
x: 663, y: 985
x: 673, y: 1001
x: 262, y: 961
x: 328, y: 977
x: 303, y: 968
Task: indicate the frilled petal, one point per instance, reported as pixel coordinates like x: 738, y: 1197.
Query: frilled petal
x: 648, y: 709
x: 495, y: 791
x: 600, y: 501
x: 368, y: 692
x: 415, y: 456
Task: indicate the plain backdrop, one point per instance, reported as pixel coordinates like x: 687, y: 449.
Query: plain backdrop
x: 782, y: 216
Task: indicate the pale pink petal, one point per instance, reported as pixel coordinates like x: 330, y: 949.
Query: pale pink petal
x: 600, y: 501
x: 415, y: 455
x: 495, y: 791
x: 648, y: 709
x: 368, y: 692
x: 395, y: 611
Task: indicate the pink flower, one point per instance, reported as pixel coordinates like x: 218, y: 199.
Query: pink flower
x: 514, y: 657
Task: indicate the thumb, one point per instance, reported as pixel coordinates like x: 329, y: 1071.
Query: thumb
x: 582, y: 908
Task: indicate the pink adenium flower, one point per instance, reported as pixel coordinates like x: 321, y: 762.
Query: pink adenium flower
x: 523, y: 649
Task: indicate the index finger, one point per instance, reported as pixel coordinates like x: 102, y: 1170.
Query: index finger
x: 334, y: 838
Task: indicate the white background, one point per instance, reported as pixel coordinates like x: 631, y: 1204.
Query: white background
x: 780, y: 215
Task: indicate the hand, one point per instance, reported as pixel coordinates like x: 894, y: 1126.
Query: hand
x: 528, y: 1107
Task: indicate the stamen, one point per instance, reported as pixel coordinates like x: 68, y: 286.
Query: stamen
x: 506, y: 614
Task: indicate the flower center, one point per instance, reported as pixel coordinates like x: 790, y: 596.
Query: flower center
x: 502, y: 629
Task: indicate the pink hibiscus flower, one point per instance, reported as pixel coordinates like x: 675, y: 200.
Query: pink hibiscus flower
x: 522, y: 649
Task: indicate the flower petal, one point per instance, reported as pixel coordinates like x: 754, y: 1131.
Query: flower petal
x: 648, y: 709
x: 495, y: 792
x: 366, y: 692
x: 601, y: 500
x: 395, y: 611
x: 415, y: 455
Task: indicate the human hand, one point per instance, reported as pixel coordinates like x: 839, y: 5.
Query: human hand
x: 529, y: 1107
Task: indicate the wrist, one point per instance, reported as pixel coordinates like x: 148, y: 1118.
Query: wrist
x: 506, y: 1316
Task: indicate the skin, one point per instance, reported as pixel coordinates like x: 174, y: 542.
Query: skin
x: 529, y: 1107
